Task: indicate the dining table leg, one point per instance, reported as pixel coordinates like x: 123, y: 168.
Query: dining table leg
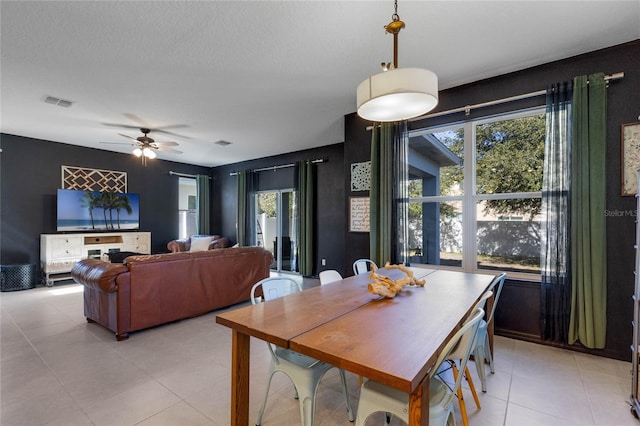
x: 240, y: 351
x: 419, y: 404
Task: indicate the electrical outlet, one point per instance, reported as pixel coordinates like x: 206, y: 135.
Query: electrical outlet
x: 324, y: 262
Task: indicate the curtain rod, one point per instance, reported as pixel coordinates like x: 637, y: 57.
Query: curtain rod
x: 185, y: 175
x: 282, y: 166
x: 467, y: 109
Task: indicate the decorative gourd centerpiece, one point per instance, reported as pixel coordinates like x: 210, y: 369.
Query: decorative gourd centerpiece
x: 388, y: 287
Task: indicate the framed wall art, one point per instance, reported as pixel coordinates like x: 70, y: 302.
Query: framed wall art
x: 359, y: 214
x: 630, y: 135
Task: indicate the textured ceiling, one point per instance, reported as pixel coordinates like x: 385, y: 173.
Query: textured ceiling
x: 270, y: 77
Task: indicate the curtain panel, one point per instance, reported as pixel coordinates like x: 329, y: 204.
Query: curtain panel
x: 306, y: 195
x: 381, y: 193
x: 555, y: 302
x: 588, y: 320
x: 204, y: 211
x: 388, y: 196
x: 242, y: 211
x: 400, y: 221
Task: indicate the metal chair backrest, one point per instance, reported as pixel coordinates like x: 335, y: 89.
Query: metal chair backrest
x: 329, y: 276
x: 274, y: 287
x: 464, y: 338
x: 498, y: 282
x: 361, y: 266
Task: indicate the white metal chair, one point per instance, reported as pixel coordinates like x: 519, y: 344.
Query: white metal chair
x: 456, y: 355
x: 482, y: 350
x: 329, y: 276
x: 304, y: 372
x: 376, y: 397
x: 361, y: 266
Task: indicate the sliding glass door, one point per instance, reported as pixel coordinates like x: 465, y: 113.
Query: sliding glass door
x: 276, y: 227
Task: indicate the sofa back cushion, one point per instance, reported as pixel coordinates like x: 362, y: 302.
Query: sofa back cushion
x: 166, y: 287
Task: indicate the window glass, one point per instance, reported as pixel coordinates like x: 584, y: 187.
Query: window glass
x: 489, y: 172
x: 510, y: 158
x: 436, y: 162
x: 435, y: 233
x: 507, y: 243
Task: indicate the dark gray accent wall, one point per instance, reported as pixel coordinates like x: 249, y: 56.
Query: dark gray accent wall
x: 518, y: 313
x: 330, y: 200
x: 30, y: 174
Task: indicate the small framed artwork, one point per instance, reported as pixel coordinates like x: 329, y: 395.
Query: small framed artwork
x: 359, y: 214
x: 630, y: 158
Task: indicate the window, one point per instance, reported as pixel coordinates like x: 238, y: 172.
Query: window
x: 475, y: 194
x: 187, y: 207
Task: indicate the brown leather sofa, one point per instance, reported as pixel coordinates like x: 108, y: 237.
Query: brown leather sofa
x: 217, y: 241
x: 149, y: 290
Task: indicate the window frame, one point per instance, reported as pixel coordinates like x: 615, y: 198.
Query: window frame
x: 469, y: 197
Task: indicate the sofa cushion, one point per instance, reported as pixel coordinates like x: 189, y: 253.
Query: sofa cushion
x: 200, y: 243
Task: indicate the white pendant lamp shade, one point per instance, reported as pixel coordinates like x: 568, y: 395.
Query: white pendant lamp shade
x: 397, y: 94
x: 137, y: 152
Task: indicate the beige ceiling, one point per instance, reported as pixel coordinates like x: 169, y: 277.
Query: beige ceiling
x: 268, y: 76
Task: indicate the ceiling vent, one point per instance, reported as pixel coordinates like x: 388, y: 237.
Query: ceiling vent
x: 57, y: 101
x: 222, y: 143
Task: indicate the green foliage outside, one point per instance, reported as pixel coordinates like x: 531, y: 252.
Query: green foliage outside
x: 509, y: 158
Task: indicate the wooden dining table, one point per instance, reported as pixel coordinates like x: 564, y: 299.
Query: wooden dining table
x: 392, y: 341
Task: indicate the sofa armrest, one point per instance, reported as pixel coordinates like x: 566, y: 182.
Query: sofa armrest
x: 176, y: 246
x: 97, y: 274
x: 219, y: 243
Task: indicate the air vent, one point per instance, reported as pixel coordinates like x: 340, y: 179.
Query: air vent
x: 57, y: 101
x: 222, y: 143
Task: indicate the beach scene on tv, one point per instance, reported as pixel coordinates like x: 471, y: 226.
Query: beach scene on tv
x: 97, y: 211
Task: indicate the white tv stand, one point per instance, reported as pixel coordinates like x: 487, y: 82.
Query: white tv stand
x: 59, y: 252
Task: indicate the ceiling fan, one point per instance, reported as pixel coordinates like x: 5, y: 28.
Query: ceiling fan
x: 145, y: 146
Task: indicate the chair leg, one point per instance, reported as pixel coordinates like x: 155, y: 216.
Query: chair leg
x: 487, y: 350
x: 307, y: 409
x: 264, y: 401
x: 478, y: 359
x: 345, y: 389
x: 463, y: 408
x: 472, y: 387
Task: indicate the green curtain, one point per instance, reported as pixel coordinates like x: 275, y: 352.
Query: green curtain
x: 588, y: 321
x: 381, y: 194
x: 204, y: 213
x: 241, y: 218
x: 306, y: 195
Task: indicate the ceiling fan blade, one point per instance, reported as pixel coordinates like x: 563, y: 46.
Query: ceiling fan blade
x: 118, y: 143
x: 163, y: 149
x: 166, y: 143
x: 136, y: 119
x: 127, y: 136
x: 159, y: 130
x: 121, y: 126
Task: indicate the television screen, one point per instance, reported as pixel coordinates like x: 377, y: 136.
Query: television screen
x: 97, y: 211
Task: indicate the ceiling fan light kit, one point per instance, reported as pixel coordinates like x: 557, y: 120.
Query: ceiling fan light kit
x: 397, y: 93
x: 146, y: 147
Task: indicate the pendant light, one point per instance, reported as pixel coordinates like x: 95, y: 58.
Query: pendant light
x: 397, y: 93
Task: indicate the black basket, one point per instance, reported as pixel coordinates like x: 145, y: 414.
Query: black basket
x: 17, y: 277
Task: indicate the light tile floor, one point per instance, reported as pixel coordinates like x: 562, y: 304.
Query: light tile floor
x: 56, y: 369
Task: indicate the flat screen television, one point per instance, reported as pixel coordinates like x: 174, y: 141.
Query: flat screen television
x: 97, y: 211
